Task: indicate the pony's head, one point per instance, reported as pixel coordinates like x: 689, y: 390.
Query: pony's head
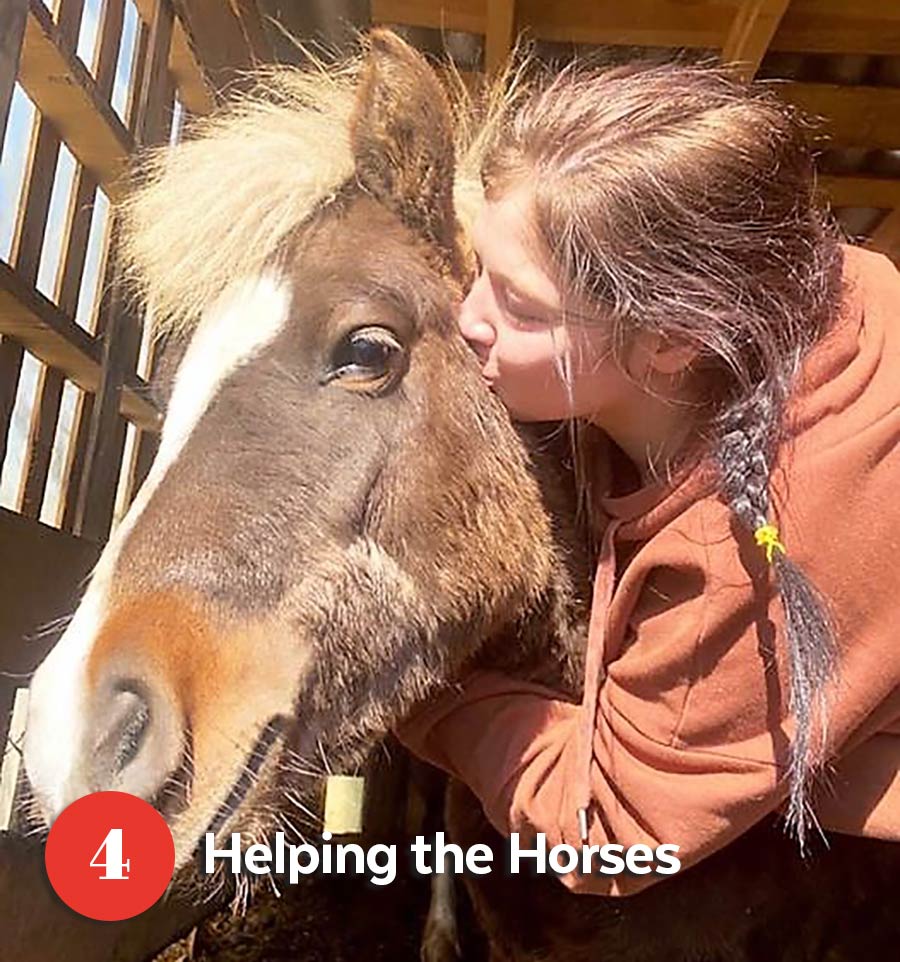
x: 340, y: 512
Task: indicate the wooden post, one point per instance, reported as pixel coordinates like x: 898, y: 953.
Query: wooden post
x: 751, y: 32
x: 12, y: 30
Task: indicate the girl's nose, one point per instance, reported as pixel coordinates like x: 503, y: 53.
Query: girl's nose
x: 474, y: 318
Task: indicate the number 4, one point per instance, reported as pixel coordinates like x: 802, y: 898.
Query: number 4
x: 113, y: 864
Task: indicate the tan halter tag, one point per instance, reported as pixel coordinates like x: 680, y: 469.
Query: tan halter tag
x: 344, y: 804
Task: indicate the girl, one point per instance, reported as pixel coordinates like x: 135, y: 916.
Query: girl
x: 653, y: 264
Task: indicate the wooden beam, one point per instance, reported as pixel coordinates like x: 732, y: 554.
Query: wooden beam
x: 152, y: 119
x: 66, y: 94
x: 53, y: 381
x: 886, y: 237
x: 880, y: 192
x: 854, y: 116
x: 12, y: 30
x: 36, y: 323
x: 752, y: 30
x: 193, y: 88
x: 499, y: 30
x: 27, y: 255
x: 108, y: 47
x: 226, y: 37
x: 809, y: 26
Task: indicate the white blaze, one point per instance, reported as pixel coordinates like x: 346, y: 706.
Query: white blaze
x: 247, y: 318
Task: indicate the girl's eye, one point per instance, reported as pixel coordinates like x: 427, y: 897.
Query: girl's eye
x: 522, y: 315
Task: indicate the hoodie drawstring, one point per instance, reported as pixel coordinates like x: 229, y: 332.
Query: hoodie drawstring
x: 594, y: 669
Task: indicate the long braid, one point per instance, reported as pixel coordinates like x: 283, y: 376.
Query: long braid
x: 744, y: 454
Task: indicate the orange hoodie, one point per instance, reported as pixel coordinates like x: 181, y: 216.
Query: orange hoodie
x: 683, y: 737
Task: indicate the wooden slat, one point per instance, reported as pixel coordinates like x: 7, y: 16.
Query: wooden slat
x: 882, y: 192
x: 108, y: 47
x: 886, y: 236
x: 840, y: 26
x: 500, y: 27
x: 225, y: 37
x: 12, y: 30
x: 151, y: 122
x: 50, y: 394
x: 84, y: 190
x: 40, y: 447
x: 76, y: 469
x: 751, y: 32
x: 27, y: 250
x: 11, y: 354
x: 106, y: 439
x: 809, y: 26
x: 38, y: 324
x: 69, y: 20
x: 140, y: 68
x: 27, y: 255
x: 855, y: 116
x: 66, y: 94
x: 193, y: 87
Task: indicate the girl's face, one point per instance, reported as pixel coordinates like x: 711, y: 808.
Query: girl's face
x: 513, y: 319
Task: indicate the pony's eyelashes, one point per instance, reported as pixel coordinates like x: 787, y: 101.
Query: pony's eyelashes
x: 368, y: 360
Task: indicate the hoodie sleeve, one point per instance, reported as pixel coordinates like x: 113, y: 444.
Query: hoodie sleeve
x: 682, y: 751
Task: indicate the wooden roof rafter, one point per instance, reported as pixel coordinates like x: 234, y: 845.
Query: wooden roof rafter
x: 500, y: 26
x: 752, y: 30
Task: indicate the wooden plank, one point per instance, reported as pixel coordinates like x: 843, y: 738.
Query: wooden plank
x: 67, y: 95
x: 76, y: 468
x: 69, y: 20
x: 12, y: 30
x: 225, y: 37
x: 150, y: 124
x: 886, y: 237
x: 51, y: 391
x: 140, y: 68
x: 854, y: 116
x: 840, y: 26
x: 108, y: 47
x: 83, y: 192
x: 809, y: 26
x: 193, y: 86
x: 40, y: 446
x: 882, y: 192
x: 11, y: 354
x: 37, y: 323
x: 26, y: 255
x: 106, y: 439
x: 500, y: 27
x: 751, y: 32
x: 27, y: 249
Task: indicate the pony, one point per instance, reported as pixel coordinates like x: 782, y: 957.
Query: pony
x: 341, y: 519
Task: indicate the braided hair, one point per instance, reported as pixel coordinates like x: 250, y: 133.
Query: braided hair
x: 679, y: 200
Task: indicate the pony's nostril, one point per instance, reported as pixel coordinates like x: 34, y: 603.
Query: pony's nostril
x: 136, y: 737
x: 127, y: 724
x: 135, y: 720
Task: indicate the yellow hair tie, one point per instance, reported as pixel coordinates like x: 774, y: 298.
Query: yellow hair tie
x: 767, y: 537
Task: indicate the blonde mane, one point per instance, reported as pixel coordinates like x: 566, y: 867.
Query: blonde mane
x: 217, y: 206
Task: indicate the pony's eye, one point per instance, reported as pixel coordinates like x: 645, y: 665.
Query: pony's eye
x: 368, y: 359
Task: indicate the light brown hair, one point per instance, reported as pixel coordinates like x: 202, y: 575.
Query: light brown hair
x: 677, y: 199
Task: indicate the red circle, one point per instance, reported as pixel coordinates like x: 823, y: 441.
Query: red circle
x: 131, y: 846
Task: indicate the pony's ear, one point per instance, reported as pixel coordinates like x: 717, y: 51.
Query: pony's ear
x: 402, y: 141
